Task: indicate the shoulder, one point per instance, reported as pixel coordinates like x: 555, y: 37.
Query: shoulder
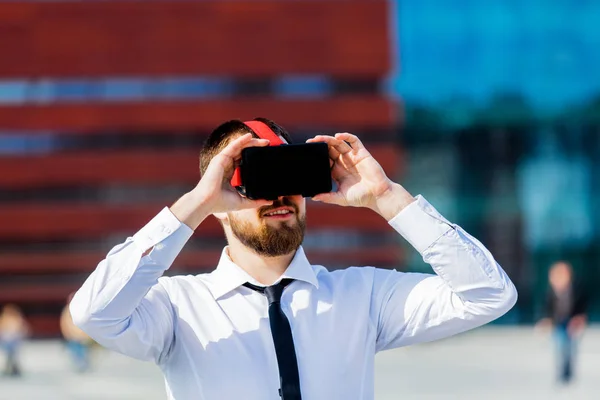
x: 353, y: 272
x: 366, y: 273
x: 350, y: 277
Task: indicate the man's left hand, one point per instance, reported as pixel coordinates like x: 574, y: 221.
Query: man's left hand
x: 361, y: 181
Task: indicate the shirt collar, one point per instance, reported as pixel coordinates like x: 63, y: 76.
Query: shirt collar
x: 229, y: 276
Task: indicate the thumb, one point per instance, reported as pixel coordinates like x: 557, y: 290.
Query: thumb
x: 331, y: 198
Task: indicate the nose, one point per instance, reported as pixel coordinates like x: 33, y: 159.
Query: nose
x: 284, y: 199
x: 289, y: 199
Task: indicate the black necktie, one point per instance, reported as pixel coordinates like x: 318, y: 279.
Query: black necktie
x: 283, y: 340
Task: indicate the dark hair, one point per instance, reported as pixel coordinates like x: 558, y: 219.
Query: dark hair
x: 224, y: 133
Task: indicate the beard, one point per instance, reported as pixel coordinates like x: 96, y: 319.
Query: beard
x: 267, y: 240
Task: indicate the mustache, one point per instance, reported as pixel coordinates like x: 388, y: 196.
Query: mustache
x: 283, y: 202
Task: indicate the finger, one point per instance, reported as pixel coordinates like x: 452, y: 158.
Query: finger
x: 232, y: 153
x: 353, y: 140
x: 331, y: 198
x: 333, y: 153
x: 341, y: 146
x: 235, y: 147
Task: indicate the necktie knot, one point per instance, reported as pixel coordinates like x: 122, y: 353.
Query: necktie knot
x: 273, y: 292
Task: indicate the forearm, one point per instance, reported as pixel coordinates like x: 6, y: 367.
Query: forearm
x: 117, y: 286
x: 460, y: 260
x: 191, y: 209
x: 470, y: 288
x: 472, y: 273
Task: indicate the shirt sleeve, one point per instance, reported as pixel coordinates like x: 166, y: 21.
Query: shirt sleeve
x: 469, y: 289
x: 123, y: 305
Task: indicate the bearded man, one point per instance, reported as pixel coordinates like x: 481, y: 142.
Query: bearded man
x: 266, y: 323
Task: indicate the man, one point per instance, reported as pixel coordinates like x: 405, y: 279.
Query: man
x: 565, y: 311
x: 13, y: 331
x: 217, y: 336
x: 78, y: 343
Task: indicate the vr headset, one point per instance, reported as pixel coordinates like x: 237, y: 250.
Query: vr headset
x: 282, y: 169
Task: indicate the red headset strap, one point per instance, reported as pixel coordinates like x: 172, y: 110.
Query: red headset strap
x: 263, y: 131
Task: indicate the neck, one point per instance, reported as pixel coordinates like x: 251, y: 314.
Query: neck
x: 266, y: 270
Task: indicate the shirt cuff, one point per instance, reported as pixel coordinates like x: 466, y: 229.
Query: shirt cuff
x: 420, y: 224
x: 159, y: 228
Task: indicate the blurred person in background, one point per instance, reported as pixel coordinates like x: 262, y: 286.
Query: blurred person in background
x: 266, y: 323
x: 13, y: 330
x: 565, y: 314
x: 78, y: 342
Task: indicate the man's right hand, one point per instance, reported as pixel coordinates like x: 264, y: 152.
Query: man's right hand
x: 214, y: 193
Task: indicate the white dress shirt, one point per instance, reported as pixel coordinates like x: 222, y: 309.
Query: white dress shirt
x: 211, y: 337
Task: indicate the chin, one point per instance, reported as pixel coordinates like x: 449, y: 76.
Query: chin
x: 290, y: 222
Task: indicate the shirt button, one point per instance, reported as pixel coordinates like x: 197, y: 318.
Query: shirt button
x: 166, y: 230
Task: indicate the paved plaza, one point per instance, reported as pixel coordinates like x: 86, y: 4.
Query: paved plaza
x: 487, y: 364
